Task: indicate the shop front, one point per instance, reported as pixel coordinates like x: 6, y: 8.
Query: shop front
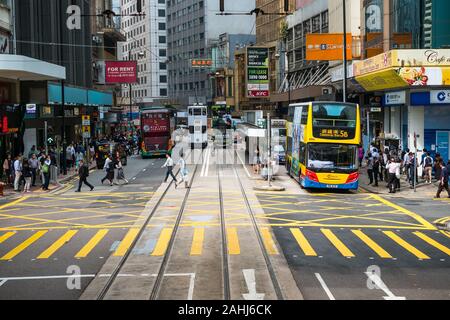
x: 415, y: 90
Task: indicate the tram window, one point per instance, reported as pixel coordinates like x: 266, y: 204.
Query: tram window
x: 197, y: 112
x: 204, y: 112
x: 190, y: 112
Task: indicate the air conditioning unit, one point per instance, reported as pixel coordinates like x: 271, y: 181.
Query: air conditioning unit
x: 327, y: 91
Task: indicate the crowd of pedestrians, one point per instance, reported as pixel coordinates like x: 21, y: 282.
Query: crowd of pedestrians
x: 390, y: 165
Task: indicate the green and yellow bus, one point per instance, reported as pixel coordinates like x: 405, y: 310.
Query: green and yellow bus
x: 322, y: 144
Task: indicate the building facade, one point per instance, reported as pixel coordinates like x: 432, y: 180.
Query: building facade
x: 192, y: 26
x: 146, y: 43
x: 268, y: 26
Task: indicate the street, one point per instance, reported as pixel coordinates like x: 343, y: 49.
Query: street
x: 209, y: 241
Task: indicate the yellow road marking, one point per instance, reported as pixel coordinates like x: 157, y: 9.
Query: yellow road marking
x: 269, y: 244
x: 432, y: 242
x: 302, y: 242
x: 424, y: 222
x: 57, y: 244
x: 10, y: 204
x: 91, y: 243
x: 14, y: 252
x: 163, y: 241
x: 6, y: 236
x: 372, y: 244
x: 339, y: 245
x: 233, y: 241
x: 126, y: 242
x: 419, y: 254
x: 197, y: 241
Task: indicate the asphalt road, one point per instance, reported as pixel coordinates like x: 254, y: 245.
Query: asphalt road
x: 339, y: 246
x: 48, y: 237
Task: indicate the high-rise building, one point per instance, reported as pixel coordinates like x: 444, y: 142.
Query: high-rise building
x: 191, y: 26
x: 268, y: 26
x: 5, y: 26
x: 147, y: 44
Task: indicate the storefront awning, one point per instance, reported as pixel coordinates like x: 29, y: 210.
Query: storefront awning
x: 16, y: 67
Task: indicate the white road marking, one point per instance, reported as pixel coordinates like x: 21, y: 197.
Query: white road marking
x: 325, y: 287
x: 375, y: 278
x: 207, y: 164
x: 249, y: 276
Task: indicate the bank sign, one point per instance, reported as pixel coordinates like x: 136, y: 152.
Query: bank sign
x: 440, y: 96
x: 120, y: 71
x: 257, y: 72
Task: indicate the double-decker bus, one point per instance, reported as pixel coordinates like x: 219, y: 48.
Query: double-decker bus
x: 156, y: 130
x: 198, y: 123
x: 324, y: 139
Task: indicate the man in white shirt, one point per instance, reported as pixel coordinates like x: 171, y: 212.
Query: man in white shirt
x: 17, y: 172
x: 169, y: 166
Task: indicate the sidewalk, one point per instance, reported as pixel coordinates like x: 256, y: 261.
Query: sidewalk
x: 72, y: 173
x: 422, y: 189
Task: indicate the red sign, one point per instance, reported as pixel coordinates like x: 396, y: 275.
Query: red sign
x: 121, y: 71
x: 258, y: 93
x: 4, y: 125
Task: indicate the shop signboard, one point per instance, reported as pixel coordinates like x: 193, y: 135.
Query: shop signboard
x: 386, y: 79
x: 395, y: 98
x: 86, y: 120
x: 121, y: 71
x: 257, y: 72
x: 201, y: 63
x: 440, y: 96
x: 327, y: 46
x: 86, y: 132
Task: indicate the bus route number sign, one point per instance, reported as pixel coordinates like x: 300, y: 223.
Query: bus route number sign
x: 333, y: 133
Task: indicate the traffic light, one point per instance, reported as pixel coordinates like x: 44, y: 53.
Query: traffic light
x: 139, y: 6
x: 222, y: 5
x: 286, y: 5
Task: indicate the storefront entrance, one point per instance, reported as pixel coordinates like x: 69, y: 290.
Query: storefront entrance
x: 442, y: 144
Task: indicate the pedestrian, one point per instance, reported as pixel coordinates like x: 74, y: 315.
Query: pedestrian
x: 393, y: 169
x: 27, y: 175
x: 405, y: 158
x: 70, y: 153
x: 385, y: 159
x: 83, y: 173
x: 79, y: 155
x: 17, y: 172
x: 370, y: 171
x: 120, y: 172
x: 360, y: 155
x: 183, y: 171
x: 46, y: 172
x: 443, y: 182
x: 257, y: 161
x: 7, y: 166
x: 34, y: 167
x: 427, y: 164
x: 437, y: 167
x: 32, y: 151
x: 422, y: 158
x: 376, y: 166
x: 169, y: 165
x: 413, y: 170
x: 109, y: 169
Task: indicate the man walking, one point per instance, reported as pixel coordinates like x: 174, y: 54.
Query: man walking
x: 109, y: 169
x: 169, y: 165
x: 393, y: 168
x: 34, y: 166
x: 427, y: 163
x: 443, y: 183
x: 183, y: 171
x: 83, y: 173
x: 17, y: 172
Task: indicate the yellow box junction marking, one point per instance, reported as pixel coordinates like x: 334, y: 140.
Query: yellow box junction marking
x: 10, y: 204
x: 57, y: 244
x: 163, y: 241
x: 303, y: 243
x: 432, y: 242
x: 233, y: 241
x: 269, y: 244
x: 197, y: 241
x: 14, y: 252
x: 341, y: 247
x: 419, y: 254
x: 6, y: 236
x: 424, y: 222
x: 372, y: 244
x: 126, y: 242
x: 91, y: 244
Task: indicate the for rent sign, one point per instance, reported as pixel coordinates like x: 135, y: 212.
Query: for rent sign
x: 121, y: 72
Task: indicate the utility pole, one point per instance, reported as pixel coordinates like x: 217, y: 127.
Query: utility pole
x: 269, y: 148
x: 63, y: 98
x: 131, y: 92
x: 344, y: 89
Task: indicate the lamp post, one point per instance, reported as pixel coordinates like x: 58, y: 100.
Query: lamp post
x: 140, y: 55
x: 344, y: 89
x: 63, y: 98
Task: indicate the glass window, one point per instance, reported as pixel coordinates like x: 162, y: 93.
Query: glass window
x: 332, y: 156
x: 334, y: 115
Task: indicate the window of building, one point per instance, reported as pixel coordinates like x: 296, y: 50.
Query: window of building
x: 162, y: 66
x: 162, y: 39
x: 162, y: 52
x: 161, y: 26
x: 161, y: 13
x: 163, y: 92
x: 163, y: 79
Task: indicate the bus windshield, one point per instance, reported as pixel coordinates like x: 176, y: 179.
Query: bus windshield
x: 332, y: 156
x: 334, y: 115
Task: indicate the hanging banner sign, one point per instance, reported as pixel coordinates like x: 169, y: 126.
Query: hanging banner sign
x: 121, y: 71
x: 257, y: 72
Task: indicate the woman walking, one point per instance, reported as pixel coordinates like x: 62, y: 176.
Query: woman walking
x: 183, y: 171
x: 120, y: 172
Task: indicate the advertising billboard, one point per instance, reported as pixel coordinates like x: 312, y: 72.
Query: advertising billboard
x: 257, y: 72
x: 121, y: 71
x: 327, y: 46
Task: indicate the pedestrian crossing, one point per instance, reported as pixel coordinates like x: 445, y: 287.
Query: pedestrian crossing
x: 310, y: 242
